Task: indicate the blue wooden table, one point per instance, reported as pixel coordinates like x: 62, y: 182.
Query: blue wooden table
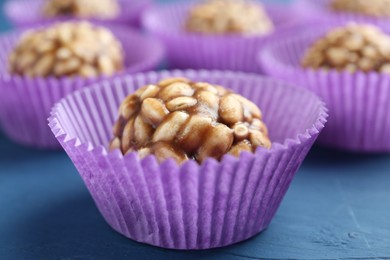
x: 337, y: 208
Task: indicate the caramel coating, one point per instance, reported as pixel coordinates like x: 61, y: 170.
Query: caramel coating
x: 103, y: 9
x: 353, y: 47
x: 181, y: 119
x: 229, y: 17
x: 67, y: 49
x: 377, y: 8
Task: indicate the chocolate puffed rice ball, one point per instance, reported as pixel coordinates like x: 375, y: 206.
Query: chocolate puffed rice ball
x: 229, y: 17
x: 183, y: 120
x: 377, y: 8
x: 67, y: 49
x: 103, y: 9
x: 353, y: 47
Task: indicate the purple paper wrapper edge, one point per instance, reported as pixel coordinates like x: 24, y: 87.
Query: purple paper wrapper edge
x: 190, y: 206
x: 309, y: 10
x: 15, y: 12
x: 25, y: 103
x: 186, y: 50
x: 358, y: 102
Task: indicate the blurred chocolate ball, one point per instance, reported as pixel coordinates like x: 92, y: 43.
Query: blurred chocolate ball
x: 67, y: 49
x: 101, y: 9
x: 353, y: 47
x: 229, y: 17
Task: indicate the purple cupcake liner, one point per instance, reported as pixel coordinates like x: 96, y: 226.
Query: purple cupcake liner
x: 359, y: 103
x: 189, y: 50
x: 15, y: 10
x: 320, y: 9
x: 25, y: 102
x: 190, y: 206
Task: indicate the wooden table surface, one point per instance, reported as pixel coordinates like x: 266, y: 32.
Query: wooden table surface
x: 337, y: 208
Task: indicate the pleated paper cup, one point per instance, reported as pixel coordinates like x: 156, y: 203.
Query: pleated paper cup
x: 359, y: 103
x: 320, y: 9
x: 15, y: 10
x: 197, y: 51
x: 190, y: 206
x: 25, y: 102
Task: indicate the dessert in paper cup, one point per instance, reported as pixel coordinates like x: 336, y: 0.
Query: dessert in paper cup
x: 215, y: 34
x: 175, y: 169
x: 347, y: 65
x: 41, y: 65
x: 115, y: 11
x: 374, y: 10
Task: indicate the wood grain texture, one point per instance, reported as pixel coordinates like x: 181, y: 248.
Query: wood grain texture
x: 337, y: 208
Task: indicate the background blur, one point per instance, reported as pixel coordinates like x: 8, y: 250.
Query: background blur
x: 336, y: 208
